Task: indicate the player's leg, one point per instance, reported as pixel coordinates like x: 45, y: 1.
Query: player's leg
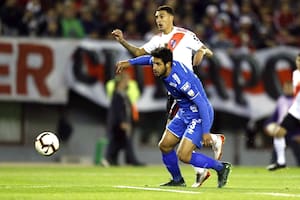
x: 130, y: 156
x: 278, y: 131
x: 294, y: 144
x: 191, y: 141
x: 112, y: 152
x: 216, y: 141
x: 187, y: 155
x: 280, y: 145
x: 203, y: 174
x: 169, y: 157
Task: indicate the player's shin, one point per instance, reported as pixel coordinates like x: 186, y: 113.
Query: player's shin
x: 201, y: 160
x: 171, y: 162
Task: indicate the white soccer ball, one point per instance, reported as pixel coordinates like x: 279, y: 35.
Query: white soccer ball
x: 46, y: 143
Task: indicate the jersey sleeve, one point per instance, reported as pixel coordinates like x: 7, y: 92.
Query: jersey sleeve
x: 141, y: 60
x: 193, y: 41
x: 195, y: 95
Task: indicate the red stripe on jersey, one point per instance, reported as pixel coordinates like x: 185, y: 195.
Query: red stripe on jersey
x: 173, y: 42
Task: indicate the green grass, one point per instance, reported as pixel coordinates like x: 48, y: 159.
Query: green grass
x: 55, y: 182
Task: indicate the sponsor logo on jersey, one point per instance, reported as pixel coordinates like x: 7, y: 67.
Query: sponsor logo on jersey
x: 186, y: 86
x: 173, y: 84
x: 176, y: 78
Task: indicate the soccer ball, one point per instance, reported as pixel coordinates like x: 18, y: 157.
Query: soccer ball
x: 46, y: 143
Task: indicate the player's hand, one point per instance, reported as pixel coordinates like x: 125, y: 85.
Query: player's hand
x: 207, y: 52
x: 117, y: 34
x: 121, y: 65
x: 126, y: 127
x: 206, y: 139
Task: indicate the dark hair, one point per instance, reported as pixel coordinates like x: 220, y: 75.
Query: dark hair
x: 163, y: 53
x: 166, y: 8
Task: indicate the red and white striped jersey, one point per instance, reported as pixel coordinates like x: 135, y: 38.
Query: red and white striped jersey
x: 182, y: 42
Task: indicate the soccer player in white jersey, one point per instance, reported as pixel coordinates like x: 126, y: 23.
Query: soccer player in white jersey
x: 186, y: 48
x: 292, y: 120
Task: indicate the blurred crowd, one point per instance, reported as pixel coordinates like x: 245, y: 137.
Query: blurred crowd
x: 224, y: 24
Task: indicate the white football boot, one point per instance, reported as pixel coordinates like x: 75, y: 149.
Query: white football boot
x: 200, y: 178
x: 218, y: 146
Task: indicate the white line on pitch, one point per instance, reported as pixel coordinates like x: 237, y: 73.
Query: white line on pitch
x: 156, y: 189
x: 275, y: 194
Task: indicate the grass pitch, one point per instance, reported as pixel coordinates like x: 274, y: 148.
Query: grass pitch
x: 56, y: 182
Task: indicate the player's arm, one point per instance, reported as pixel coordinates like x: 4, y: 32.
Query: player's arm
x: 203, y: 112
x: 134, y: 50
x: 141, y: 60
x: 194, y: 95
x: 198, y: 57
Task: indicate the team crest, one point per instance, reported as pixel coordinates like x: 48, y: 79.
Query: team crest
x: 191, y: 93
x: 172, y: 43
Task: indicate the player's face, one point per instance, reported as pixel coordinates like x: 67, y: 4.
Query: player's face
x: 159, y: 68
x: 164, y: 21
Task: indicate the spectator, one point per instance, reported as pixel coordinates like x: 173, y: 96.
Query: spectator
x: 133, y: 93
x: 90, y: 25
x: 71, y: 25
x: 119, y: 124
x: 266, y: 32
x: 247, y: 34
x: 284, y: 17
x: 11, y: 17
x: 51, y: 25
x: 33, y: 18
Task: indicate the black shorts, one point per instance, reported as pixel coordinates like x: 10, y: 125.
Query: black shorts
x: 290, y: 123
x: 172, y: 107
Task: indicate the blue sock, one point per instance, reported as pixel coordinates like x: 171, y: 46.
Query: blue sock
x: 171, y: 162
x: 201, y: 160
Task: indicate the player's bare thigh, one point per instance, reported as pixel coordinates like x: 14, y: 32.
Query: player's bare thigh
x: 185, y: 150
x: 168, y: 142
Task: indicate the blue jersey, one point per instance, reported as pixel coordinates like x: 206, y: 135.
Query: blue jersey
x: 188, y: 91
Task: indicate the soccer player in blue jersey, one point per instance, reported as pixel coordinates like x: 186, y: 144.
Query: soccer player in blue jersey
x: 191, y: 126
x: 187, y: 49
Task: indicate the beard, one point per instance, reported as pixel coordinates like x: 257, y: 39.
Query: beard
x: 163, y: 74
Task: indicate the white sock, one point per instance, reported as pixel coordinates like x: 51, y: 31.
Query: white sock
x: 214, y: 138
x: 279, y: 146
x: 199, y: 170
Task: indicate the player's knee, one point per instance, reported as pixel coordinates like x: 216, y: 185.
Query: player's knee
x: 164, y: 147
x: 281, y: 132
x: 184, y: 156
x: 275, y: 130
